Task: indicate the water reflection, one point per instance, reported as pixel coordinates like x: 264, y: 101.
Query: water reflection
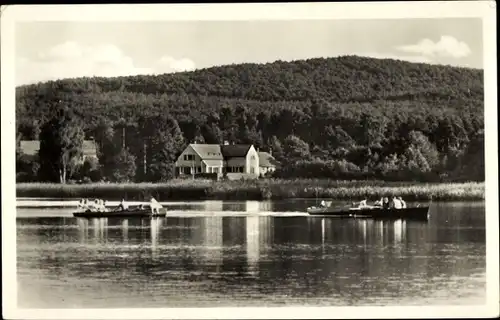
x: 213, y: 206
x: 155, y: 235
x: 260, y: 260
x: 125, y: 231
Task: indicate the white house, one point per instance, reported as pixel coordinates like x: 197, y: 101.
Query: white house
x: 236, y: 161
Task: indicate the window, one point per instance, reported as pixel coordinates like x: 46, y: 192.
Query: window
x: 215, y: 170
x: 240, y: 169
x: 252, y: 170
x: 252, y: 157
x: 188, y: 157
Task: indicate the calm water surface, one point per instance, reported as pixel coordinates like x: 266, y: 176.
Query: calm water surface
x: 212, y: 257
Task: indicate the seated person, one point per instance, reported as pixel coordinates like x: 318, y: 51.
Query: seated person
x: 395, y: 203
x: 403, y: 203
x: 385, y: 203
x: 123, y: 206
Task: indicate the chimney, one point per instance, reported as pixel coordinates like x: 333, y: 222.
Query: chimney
x: 271, y: 151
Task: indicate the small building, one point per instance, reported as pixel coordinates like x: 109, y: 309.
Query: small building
x: 267, y: 163
x: 31, y: 148
x: 234, y: 161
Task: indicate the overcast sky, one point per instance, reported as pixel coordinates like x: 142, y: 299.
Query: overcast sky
x: 55, y: 50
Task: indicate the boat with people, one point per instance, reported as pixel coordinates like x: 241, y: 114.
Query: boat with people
x: 98, y: 209
x: 384, y: 208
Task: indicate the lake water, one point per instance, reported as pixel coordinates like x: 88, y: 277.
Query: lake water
x: 251, y: 253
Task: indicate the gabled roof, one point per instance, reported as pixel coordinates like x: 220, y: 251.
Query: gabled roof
x: 267, y: 160
x: 235, y: 150
x: 31, y: 147
x: 220, y: 152
x: 212, y: 162
x: 208, y: 151
x: 89, y: 147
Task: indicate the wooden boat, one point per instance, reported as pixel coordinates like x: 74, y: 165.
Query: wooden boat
x: 411, y: 213
x: 115, y: 212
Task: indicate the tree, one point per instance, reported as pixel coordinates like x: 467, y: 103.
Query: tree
x: 61, y: 141
x: 418, y: 141
x: 212, y: 134
x: 90, y: 170
x: 124, y: 168
x: 276, y: 148
x: 295, y: 149
x: 163, y: 141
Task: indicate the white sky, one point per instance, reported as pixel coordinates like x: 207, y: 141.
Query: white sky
x: 54, y: 50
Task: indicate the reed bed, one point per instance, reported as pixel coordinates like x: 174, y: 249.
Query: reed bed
x: 258, y: 190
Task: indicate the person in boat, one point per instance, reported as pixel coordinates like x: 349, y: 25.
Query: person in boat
x: 379, y: 203
x: 395, y: 203
x: 155, y: 205
x: 103, y: 206
x: 323, y: 204
x: 122, y: 206
x: 385, y: 203
x: 403, y: 203
x: 93, y: 205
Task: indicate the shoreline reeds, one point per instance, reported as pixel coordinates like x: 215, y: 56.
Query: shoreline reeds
x: 265, y: 189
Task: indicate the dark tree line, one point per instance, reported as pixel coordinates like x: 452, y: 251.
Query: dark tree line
x: 347, y: 117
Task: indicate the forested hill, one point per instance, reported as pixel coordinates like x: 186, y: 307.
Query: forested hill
x: 349, y: 102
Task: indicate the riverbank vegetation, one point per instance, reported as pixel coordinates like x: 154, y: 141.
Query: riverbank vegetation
x: 262, y: 189
x: 340, y: 118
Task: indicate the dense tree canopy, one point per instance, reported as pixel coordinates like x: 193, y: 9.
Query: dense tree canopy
x: 339, y: 117
x: 61, y: 141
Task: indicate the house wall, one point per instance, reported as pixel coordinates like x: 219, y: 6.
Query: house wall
x: 236, y: 162
x: 252, y: 162
x: 210, y: 168
x: 181, y: 163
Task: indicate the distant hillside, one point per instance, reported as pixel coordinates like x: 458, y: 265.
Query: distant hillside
x: 348, y: 79
x: 350, y: 97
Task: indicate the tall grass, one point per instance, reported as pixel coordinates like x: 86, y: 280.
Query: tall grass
x: 258, y: 190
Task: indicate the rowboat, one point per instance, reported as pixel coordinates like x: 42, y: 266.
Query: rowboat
x: 374, y: 212
x: 115, y: 212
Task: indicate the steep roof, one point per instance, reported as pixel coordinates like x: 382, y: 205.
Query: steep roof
x: 31, y: 147
x: 267, y: 160
x: 220, y: 152
x: 235, y: 150
x: 208, y: 151
x: 89, y: 148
